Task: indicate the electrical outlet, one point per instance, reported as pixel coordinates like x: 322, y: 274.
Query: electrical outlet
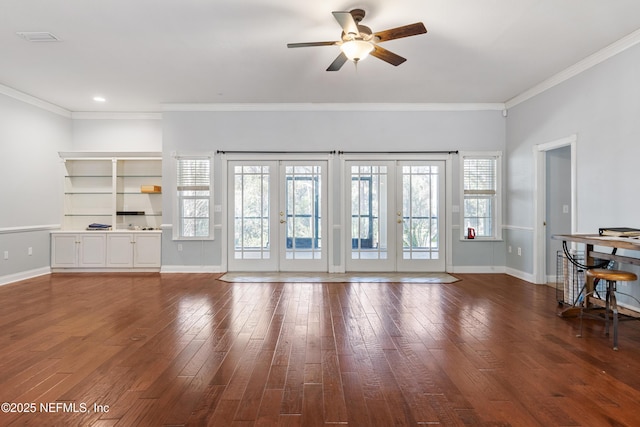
x: 29, y: 251
x: 6, y: 254
x: 519, y: 251
x: 179, y: 247
x: 510, y: 249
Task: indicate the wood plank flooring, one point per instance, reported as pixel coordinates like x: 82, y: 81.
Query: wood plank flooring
x: 188, y: 349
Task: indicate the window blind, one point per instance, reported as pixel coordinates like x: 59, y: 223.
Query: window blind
x: 194, y: 174
x: 479, y: 176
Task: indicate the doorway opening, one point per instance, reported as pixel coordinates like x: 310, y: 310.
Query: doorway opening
x: 545, y: 157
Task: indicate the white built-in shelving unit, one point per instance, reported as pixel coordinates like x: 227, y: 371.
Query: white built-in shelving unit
x: 105, y: 188
x: 121, y: 191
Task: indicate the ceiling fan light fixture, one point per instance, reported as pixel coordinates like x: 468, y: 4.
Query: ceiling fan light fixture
x: 356, y: 50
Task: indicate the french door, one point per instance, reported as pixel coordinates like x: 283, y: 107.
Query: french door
x: 396, y: 215
x: 277, y: 216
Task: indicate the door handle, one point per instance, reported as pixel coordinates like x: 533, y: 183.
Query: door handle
x: 282, y: 221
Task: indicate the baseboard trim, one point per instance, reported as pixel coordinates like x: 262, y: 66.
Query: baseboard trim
x: 11, y: 278
x: 192, y: 269
x: 104, y: 270
x: 24, y: 275
x: 528, y: 277
x: 475, y: 269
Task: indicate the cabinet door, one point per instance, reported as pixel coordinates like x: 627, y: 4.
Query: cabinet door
x: 64, y: 250
x: 147, y: 252
x: 92, y: 250
x: 120, y: 250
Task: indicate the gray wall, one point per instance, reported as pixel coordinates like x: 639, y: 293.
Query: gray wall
x: 125, y: 134
x: 601, y: 106
x: 202, y: 132
x: 31, y: 185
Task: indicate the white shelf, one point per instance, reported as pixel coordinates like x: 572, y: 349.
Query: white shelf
x: 97, y: 185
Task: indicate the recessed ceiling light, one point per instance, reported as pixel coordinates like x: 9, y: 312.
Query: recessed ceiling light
x: 38, y: 36
x: 99, y: 99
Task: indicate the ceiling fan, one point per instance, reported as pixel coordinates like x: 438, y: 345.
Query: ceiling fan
x: 358, y: 41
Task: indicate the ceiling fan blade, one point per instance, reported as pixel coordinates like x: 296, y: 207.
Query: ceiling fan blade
x: 387, y: 56
x: 346, y: 21
x: 397, y: 33
x: 309, y: 44
x: 338, y: 62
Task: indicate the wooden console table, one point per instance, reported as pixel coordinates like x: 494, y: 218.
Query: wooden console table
x: 591, y: 240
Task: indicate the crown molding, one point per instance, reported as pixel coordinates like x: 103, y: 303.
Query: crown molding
x: 293, y: 107
x: 32, y: 100
x: 579, y: 67
x: 96, y: 115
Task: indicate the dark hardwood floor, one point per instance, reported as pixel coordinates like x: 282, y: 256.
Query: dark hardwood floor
x: 187, y: 349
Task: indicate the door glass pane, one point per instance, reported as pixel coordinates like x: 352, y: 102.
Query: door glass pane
x: 302, y: 212
x: 368, y: 212
x: 420, y: 212
x: 251, y: 215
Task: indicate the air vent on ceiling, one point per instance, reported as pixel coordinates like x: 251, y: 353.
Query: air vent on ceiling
x: 38, y: 36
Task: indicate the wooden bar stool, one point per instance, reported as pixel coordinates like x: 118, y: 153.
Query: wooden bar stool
x: 611, y: 277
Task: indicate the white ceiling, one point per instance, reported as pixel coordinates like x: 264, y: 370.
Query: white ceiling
x: 141, y: 54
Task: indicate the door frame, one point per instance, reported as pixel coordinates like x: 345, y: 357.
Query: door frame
x: 388, y: 264
x: 261, y: 156
x: 442, y: 226
x: 299, y: 265
x: 448, y: 197
x: 540, y: 201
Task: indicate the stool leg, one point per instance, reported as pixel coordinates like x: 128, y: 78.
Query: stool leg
x: 580, y: 334
x: 614, y: 309
x: 582, y: 311
x: 607, y: 307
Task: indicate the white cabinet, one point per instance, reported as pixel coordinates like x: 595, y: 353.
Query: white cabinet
x: 137, y: 250
x: 147, y: 250
x: 71, y: 250
x: 92, y: 250
x: 120, y: 196
x: 64, y: 250
x: 120, y: 250
x: 106, y: 251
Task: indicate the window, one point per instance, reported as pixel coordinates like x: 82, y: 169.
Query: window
x: 194, y: 198
x: 481, y: 190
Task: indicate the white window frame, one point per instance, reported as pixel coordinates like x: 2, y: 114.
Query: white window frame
x: 496, y: 194
x: 207, y: 185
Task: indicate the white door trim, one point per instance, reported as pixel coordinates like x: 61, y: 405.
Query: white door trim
x: 322, y: 264
x: 448, y: 200
x: 540, y: 197
x: 224, y: 192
